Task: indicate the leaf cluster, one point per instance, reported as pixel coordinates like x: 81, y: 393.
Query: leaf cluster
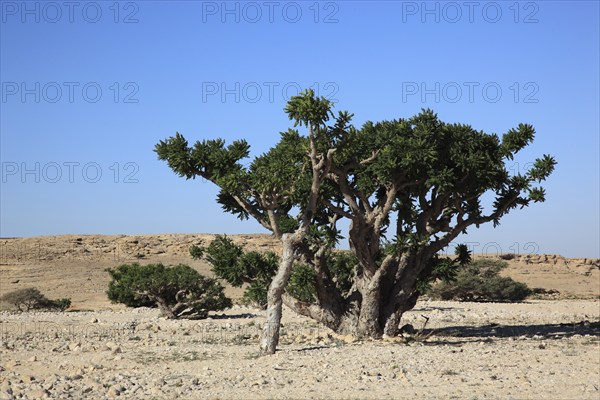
x: 441, y: 171
x: 302, y: 283
x: 238, y: 267
x: 444, y: 269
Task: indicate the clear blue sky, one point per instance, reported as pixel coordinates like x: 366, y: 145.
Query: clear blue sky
x: 90, y: 88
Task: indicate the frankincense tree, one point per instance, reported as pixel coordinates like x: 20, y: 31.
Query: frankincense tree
x: 419, y: 180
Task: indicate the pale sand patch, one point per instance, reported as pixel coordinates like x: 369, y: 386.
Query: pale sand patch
x: 541, y: 349
x: 536, y: 349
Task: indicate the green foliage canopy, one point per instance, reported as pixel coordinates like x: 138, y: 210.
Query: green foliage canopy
x: 408, y: 187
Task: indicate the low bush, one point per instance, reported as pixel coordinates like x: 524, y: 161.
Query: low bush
x: 480, y: 281
x: 179, y: 291
x: 31, y: 299
x: 62, y: 304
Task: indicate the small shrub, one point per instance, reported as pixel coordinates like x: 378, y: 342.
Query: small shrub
x: 62, y: 304
x: 542, y: 293
x: 26, y: 299
x: 479, y: 281
x: 179, y: 291
x: 449, y: 372
x: 31, y: 298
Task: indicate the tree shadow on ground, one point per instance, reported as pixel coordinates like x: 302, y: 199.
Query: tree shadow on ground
x: 232, y: 316
x: 541, y: 331
x: 313, y: 348
x: 433, y: 308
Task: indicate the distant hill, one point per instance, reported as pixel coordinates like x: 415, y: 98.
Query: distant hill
x: 74, y: 265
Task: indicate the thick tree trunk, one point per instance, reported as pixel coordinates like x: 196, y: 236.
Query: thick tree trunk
x: 341, y: 317
x: 393, y: 321
x: 368, y: 320
x: 315, y: 312
x: 164, y: 308
x: 373, y: 309
x: 365, y: 317
x: 386, y: 296
x: 270, y: 335
x: 391, y: 325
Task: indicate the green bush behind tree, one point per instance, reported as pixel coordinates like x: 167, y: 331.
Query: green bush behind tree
x: 480, y: 281
x: 237, y: 267
x: 179, y: 291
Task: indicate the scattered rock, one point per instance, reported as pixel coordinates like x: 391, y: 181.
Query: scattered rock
x: 6, y: 388
x: 39, y: 394
x: 75, y: 346
x: 408, y: 329
x: 115, y: 390
x: 49, y: 383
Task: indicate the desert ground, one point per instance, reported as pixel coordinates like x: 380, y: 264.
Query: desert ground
x: 547, y: 347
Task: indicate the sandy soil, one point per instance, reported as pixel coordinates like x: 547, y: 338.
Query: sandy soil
x: 535, y: 349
